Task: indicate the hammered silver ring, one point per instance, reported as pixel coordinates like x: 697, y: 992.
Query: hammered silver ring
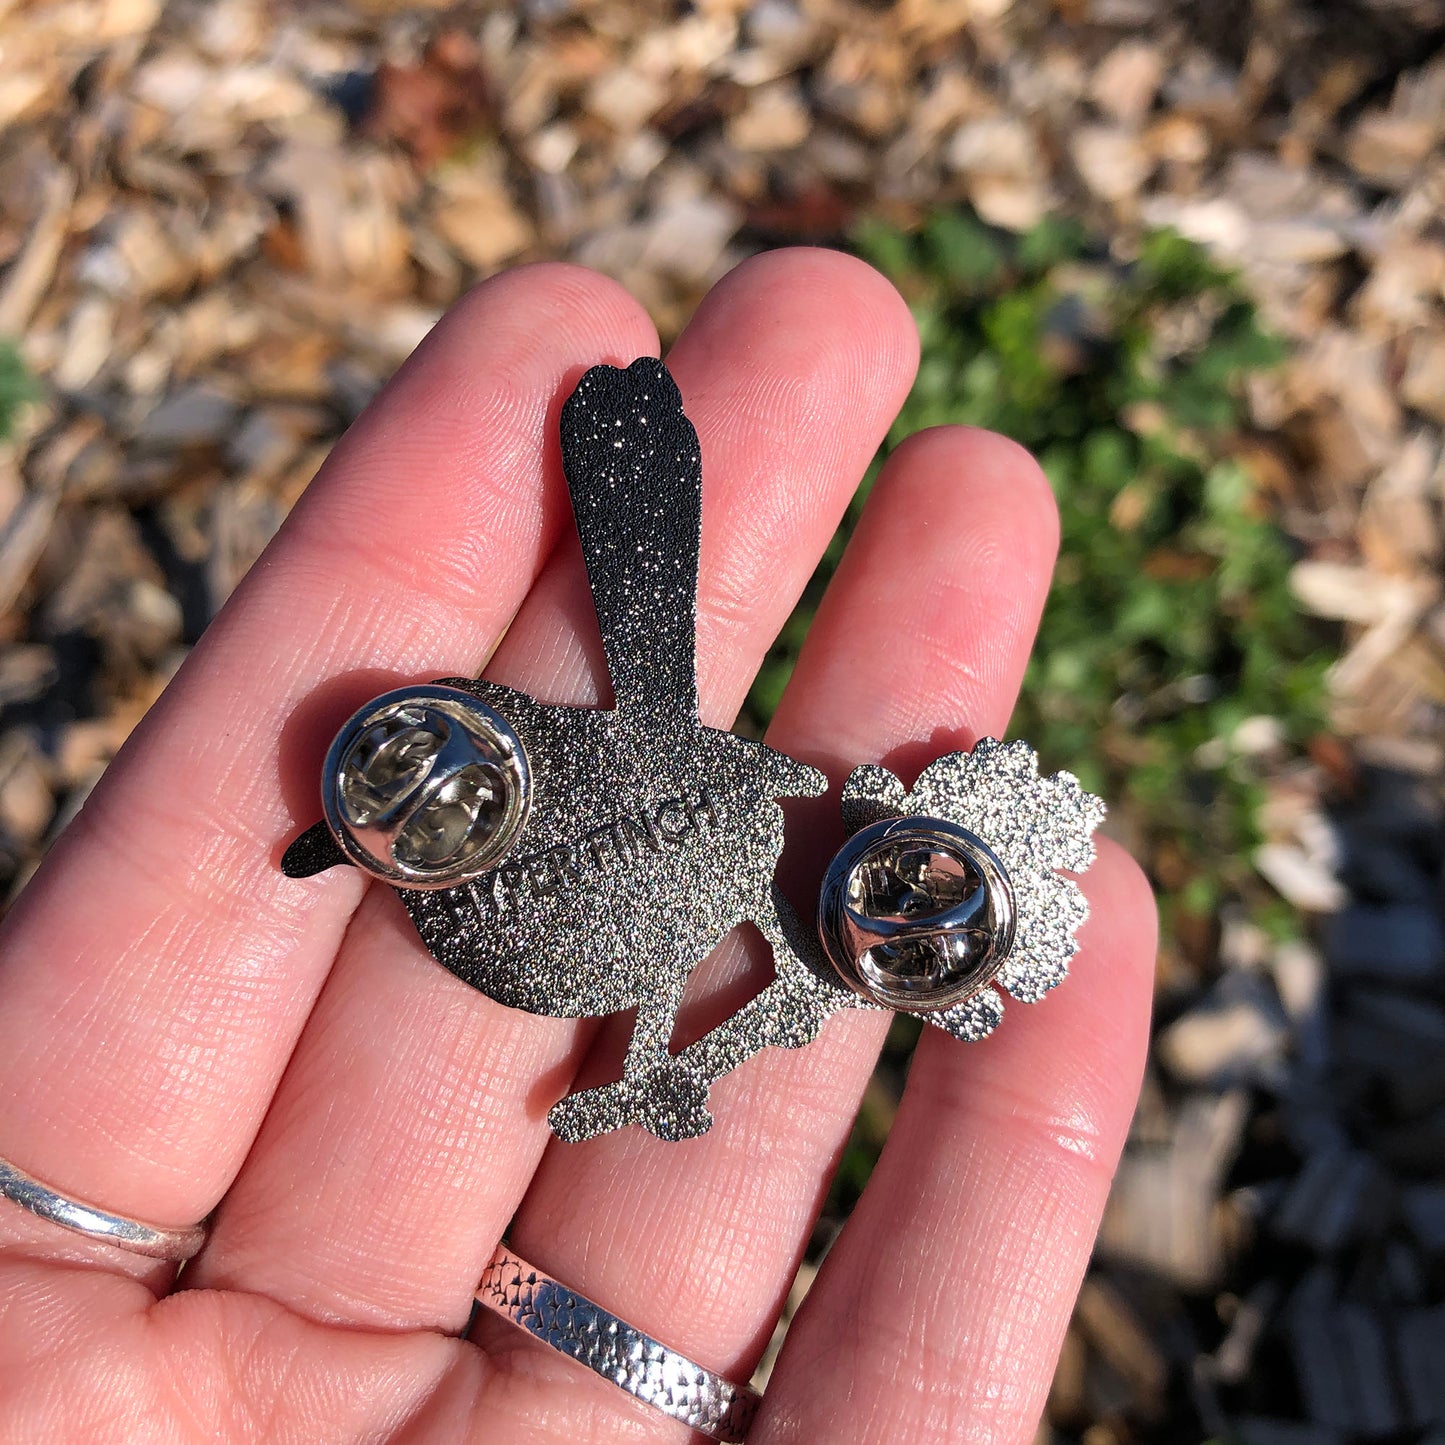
x: 632, y: 1360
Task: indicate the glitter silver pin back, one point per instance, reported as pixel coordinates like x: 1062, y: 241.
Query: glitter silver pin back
x: 577, y: 862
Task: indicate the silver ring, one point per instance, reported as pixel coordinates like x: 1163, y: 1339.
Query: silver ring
x: 633, y: 1361
x: 151, y: 1240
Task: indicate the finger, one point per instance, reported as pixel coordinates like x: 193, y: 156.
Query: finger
x: 94, y: 1357
x: 921, y: 640
x: 414, y: 1112
x: 939, y: 1313
x: 157, y: 970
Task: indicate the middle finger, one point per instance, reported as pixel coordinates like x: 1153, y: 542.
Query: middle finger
x: 413, y: 1114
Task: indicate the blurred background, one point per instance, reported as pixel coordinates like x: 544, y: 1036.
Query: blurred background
x: 1191, y: 253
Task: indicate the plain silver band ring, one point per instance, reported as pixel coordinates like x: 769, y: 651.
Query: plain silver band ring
x: 619, y: 1352
x: 130, y: 1234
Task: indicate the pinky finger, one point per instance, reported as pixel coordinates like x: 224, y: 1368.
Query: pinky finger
x: 938, y: 1315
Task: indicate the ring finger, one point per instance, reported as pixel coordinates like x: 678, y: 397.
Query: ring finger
x: 919, y: 646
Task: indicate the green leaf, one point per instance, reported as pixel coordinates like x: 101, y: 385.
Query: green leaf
x: 885, y: 247
x: 17, y: 387
x: 958, y: 247
x: 1170, y: 618
x: 1054, y: 239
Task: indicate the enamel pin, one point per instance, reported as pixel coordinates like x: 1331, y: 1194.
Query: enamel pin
x: 576, y: 861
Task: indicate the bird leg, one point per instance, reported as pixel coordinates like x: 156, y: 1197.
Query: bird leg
x: 667, y: 1093
x: 667, y: 1099
x: 786, y: 1014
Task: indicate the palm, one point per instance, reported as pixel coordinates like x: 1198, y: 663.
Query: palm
x: 184, y: 1029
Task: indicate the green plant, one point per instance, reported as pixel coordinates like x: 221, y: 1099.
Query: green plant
x: 1170, y: 623
x: 16, y: 387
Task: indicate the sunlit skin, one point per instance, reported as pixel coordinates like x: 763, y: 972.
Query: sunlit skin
x: 183, y: 1029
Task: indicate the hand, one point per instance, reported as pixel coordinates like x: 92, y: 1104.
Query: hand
x: 183, y: 1029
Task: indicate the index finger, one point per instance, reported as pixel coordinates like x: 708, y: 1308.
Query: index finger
x: 156, y: 972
